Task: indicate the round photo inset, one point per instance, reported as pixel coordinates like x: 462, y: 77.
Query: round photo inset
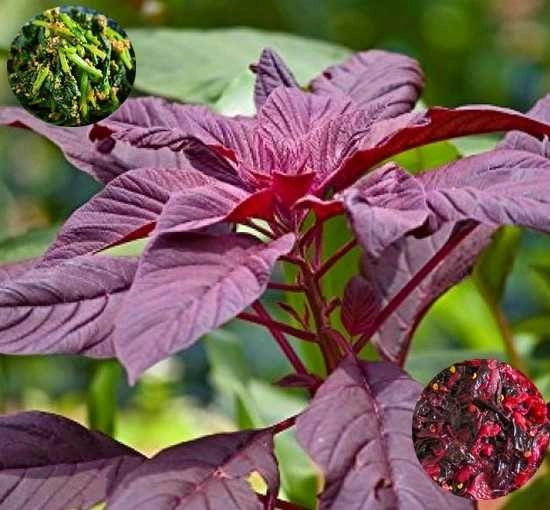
x: 481, y: 429
x: 71, y: 66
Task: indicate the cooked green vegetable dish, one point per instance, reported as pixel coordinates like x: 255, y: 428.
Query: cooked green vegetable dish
x: 71, y: 66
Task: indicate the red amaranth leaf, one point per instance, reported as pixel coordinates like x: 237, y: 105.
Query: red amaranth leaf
x: 127, y: 208
x: 386, y: 138
x: 358, y: 430
x: 481, y: 429
x: 48, y: 462
x: 359, y: 306
x: 103, y: 159
x: 69, y: 308
x: 188, y: 285
x: 271, y: 72
x: 13, y: 270
x: 374, y: 78
x: 204, y: 474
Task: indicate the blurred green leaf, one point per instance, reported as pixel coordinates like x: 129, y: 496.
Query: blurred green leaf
x: 470, y: 145
x: 132, y: 248
x: 427, y: 157
x: 258, y: 404
x: 536, y: 495
x: 494, y: 266
x: 102, y: 396
x: 538, y: 325
x: 27, y: 246
x: 238, y: 97
x: 199, y: 65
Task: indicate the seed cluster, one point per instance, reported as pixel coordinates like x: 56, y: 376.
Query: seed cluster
x: 481, y: 429
x: 71, y: 66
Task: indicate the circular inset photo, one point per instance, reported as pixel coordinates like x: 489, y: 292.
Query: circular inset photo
x: 71, y: 66
x: 481, y: 429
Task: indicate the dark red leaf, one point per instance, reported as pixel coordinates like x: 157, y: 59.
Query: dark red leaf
x: 48, y: 462
x: 384, y: 139
x: 104, y: 159
x: 360, y: 305
x: 380, y: 79
x: 205, y: 474
x: 127, y: 208
x: 271, y: 72
x: 69, y: 308
x: 188, y: 285
x: 358, y: 430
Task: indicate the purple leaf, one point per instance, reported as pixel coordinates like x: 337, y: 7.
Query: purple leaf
x: 271, y: 72
x: 398, y: 264
x: 69, y: 308
x: 188, y: 285
x: 201, y: 207
x: 127, y: 208
x: 389, y: 81
x: 359, y: 306
x: 525, y: 142
x: 13, y: 270
x: 384, y: 206
x: 358, y: 430
x: 154, y: 123
x: 104, y: 160
x: 205, y: 474
x: 290, y: 114
x: 48, y: 462
x: 386, y: 138
x: 496, y: 188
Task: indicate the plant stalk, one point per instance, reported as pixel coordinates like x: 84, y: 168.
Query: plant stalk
x: 301, y: 334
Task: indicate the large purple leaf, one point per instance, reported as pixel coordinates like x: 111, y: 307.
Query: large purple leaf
x: 104, y: 159
x: 271, y: 72
x: 386, y: 138
x: 358, y: 430
x: 48, y: 462
x: 126, y: 208
x: 205, y: 474
x: 496, y: 188
x: 389, y: 80
x: 524, y: 142
x: 69, y: 308
x: 384, y: 206
x: 390, y: 272
x: 188, y: 285
x: 13, y: 270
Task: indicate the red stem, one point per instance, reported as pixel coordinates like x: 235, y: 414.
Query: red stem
x: 278, y: 335
x: 411, y: 285
x: 285, y: 424
x: 334, y: 258
x: 285, y: 286
x: 280, y: 504
x: 268, y: 322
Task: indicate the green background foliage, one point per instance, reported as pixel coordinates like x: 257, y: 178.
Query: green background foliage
x: 473, y: 51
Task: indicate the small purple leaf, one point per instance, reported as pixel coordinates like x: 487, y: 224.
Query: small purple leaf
x: 375, y: 78
x: 384, y: 206
x: 127, y: 208
x: 205, y: 474
x: 69, y: 308
x: 271, y: 72
x: 104, y: 160
x: 398, y: 264
x: 358, y: 429
x: 188, y: 285
x: 48, y: 462
x: 360, y: 305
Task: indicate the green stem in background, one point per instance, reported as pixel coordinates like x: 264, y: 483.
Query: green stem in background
x: 102, y: 396
x: 3, y: 378
x: 505, y: 330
